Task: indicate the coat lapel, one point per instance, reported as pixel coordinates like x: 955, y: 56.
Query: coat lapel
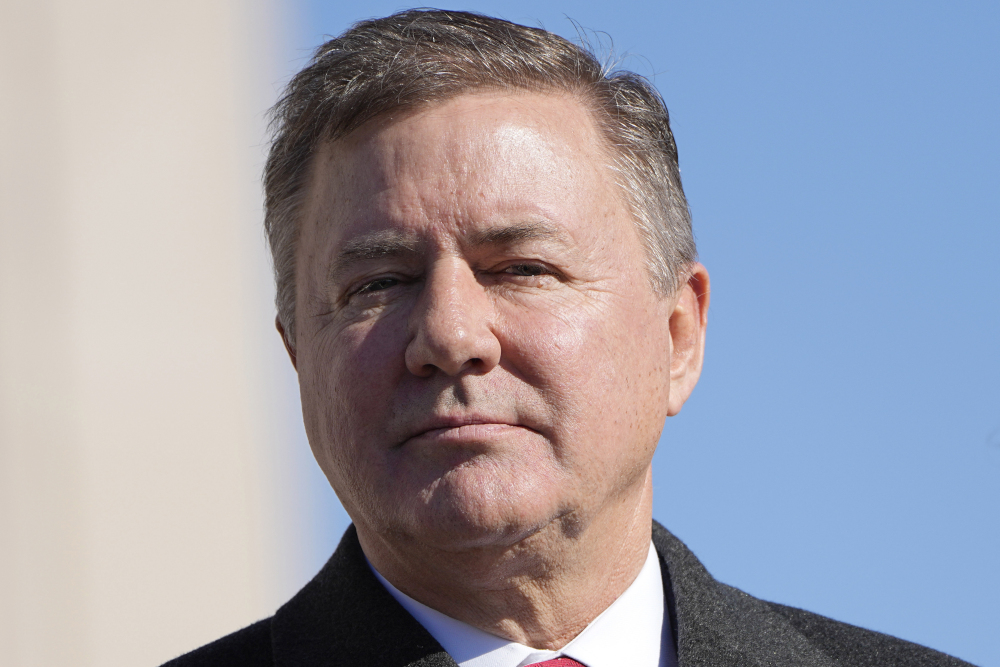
x: 344, y: 616
x: 718, y: 625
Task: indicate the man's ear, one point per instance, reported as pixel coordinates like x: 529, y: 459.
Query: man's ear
x: 288, y: 345
x: 687, y: 336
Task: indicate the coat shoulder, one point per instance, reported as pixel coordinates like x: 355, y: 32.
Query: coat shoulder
x: 249, y: 647
x: 858, y: 647
x: 716, y: 624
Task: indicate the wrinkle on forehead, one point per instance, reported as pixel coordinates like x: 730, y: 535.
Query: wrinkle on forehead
x: 382, y: 150
x: 425, y: 170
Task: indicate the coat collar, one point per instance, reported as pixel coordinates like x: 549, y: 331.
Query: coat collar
x: 344, y: 616
x: 718, y: 625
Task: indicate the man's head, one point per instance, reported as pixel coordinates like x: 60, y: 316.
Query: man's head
x: 484, y: 351
x: 414, y: 58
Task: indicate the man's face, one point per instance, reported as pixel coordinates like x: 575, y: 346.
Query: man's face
x: 480, y: 351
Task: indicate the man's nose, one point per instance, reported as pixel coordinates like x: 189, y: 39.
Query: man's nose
x: 451, y: 326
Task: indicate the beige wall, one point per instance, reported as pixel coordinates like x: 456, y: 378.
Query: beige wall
x: 138, y: 513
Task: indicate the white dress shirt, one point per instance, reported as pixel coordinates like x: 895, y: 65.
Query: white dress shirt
x: 633, y: 631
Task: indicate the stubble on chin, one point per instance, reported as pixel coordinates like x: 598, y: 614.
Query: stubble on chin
x: 480, y: 503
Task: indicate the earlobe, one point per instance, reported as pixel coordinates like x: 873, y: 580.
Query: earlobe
x: 688, y: 322
x: 288, y: 346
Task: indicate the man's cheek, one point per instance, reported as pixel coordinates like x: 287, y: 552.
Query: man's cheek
x: 574, y: 349
x: 364, y: 349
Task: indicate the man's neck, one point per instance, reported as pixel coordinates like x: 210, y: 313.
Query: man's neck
x: 541, y: 591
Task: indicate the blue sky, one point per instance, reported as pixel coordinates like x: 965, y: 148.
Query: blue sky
x: 842, y: 159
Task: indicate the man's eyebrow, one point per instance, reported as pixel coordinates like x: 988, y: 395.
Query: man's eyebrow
x: 510, y: 234
x: 371, y: 246
x: 392, y: 244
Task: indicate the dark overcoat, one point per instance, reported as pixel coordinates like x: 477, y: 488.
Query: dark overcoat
x: 344, y: 616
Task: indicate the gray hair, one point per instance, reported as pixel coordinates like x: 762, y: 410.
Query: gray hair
x: 417, y: 57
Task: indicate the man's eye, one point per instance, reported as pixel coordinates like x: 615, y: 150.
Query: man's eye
x: 525, y: 270
x: 377, y: 285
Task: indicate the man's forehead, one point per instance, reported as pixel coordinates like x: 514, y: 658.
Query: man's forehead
x: 479, y: 170
x: 521, y: 121
x: 410, y: 217
x: 502, y: 146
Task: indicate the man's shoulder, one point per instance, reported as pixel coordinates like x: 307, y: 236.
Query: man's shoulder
x: 859, y: 647
x: 343, y: 616
x: 249, y: 647
x: 716, y: 624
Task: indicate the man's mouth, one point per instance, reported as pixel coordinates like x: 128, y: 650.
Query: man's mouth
x: 463, y: 429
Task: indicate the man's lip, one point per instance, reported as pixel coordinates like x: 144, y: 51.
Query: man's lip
x: 440, y: 426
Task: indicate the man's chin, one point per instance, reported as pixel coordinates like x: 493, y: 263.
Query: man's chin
x: 465, y: 532
x: 455, y: 521
x: 482, y: 502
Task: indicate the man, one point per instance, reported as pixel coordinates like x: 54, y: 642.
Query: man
x: 487, y: 284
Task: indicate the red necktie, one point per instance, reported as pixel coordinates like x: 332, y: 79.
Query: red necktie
x: 558, y: 662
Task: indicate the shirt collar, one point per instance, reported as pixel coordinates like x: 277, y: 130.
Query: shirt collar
x: 632, y: 631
